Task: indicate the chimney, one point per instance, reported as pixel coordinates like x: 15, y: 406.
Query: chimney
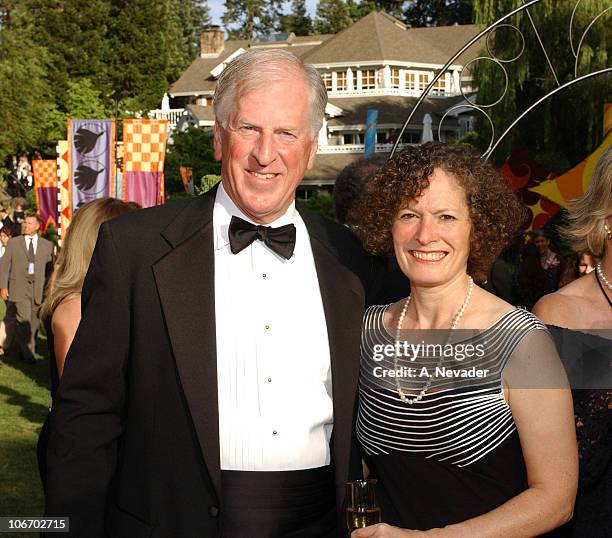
x: 212, y: 42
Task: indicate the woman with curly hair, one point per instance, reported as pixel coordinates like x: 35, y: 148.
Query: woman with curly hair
x: 469, y: 432
x: 580, y: 315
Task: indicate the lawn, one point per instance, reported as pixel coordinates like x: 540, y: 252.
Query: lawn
x: 24, y: 401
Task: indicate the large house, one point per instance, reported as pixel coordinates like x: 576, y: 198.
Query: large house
x: 378, y: 62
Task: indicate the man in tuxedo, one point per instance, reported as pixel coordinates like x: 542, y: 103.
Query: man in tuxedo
x: 25, y: 265
x: 211, y: 386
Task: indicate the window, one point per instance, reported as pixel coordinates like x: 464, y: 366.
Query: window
x: 368, y: 79
x: 410, y: 81
x: 341, y: 80
x: 423, y: 81
x: 439, y: 88
x: 327, y: 80
x: 395, y: 77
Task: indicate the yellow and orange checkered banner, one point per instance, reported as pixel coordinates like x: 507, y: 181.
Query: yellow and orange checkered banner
x: 144, y: 151
x: 45, y: 188
x: 63, y: 186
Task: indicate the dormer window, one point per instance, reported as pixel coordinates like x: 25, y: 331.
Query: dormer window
x: 340, y: 81
x: 327, y: 80
x: 410, y: 81
x: 439, y: 88
x: 423, y: 81
x: 368, y: 79
x: 395, y: 77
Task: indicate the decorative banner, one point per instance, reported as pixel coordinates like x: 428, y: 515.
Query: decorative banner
x: 144, y: 146
x: 91, y: 160
x: 45, y: 188
x: 370, y: 132
x: 63, y: 187
x: 187, y: 178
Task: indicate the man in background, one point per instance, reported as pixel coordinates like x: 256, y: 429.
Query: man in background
x: 27, y: 261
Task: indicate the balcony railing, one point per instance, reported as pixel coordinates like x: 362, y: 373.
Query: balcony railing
x: 355, y: 148
x: 173, y: 115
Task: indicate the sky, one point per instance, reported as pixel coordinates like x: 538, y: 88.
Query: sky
x: 216, y: 9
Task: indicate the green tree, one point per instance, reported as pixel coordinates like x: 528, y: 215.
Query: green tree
x: 250, y: 18
x: 438, y: 12
x: 194, y: 16
x: 24, y: 89
x: 332, y: 16
x: 192, y: 148
x: 75, y: 34
x: 565, y: 129
x: 297, y: 21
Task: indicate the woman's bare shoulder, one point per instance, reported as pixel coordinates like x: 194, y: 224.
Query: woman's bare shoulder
x: 66, y: 314
x: 567, y: 305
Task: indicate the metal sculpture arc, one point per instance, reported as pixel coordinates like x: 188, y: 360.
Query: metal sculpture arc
x: 482, y: 108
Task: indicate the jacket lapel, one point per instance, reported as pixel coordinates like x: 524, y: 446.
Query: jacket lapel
x: 186, y: 285
x: 343, y: 302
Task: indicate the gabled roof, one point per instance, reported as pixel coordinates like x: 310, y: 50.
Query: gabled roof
x: 197, y: 77
x: 379, y: 37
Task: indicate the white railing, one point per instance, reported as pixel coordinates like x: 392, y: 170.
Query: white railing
x: 385, y: 92
x: 173, y: 115
x: 355, y: 148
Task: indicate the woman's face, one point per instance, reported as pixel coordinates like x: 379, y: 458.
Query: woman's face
x: 431, y: 236
x: 541, y: 244
x: 4, y: 239
x: 586, y: 265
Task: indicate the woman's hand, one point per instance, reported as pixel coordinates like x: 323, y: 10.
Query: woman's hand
x: 382, y: 530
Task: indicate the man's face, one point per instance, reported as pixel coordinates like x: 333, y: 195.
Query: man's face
x: 266, y: 148
x: 30, y: 225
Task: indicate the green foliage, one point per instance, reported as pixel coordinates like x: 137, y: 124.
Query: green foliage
x: 332, y: 16
x: 321, y: 202
x: 207, y: 182
x: 437, y: 12
x: 565, y: 129
x: 24, y: 89
x: 244, y: 19
x: 297, y: 21
x: 193, y: 148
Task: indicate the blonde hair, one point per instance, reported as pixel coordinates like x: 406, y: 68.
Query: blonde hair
x: 588, y: 214
x: 79, y: 243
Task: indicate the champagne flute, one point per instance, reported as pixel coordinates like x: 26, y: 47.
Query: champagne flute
x: 361, y: 506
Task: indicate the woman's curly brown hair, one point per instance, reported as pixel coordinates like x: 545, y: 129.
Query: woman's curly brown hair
x: 495, y: 212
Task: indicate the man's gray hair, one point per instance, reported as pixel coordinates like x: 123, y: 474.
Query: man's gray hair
x: 254, y: 70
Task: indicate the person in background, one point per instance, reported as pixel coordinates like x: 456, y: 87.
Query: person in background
x: 18, y: 216
x: 6, y: 327
x: 586, y: 263
x: 61, y: 310
x: 23, y: 272
x: 391, y: 284
x: 5, y: 219
x: 580, y: 319
x: 494, y: 455
x: 550, y: 262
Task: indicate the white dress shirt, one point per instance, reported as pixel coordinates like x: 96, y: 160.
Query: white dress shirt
x: 273, y: 360
x: 34, y: 241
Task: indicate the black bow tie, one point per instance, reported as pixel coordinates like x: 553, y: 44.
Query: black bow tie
x: 281, y: 240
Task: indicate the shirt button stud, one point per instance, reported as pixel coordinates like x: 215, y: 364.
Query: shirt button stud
x: 274, y: 432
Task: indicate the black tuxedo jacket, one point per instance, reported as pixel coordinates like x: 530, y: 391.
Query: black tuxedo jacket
x: 134, y: 443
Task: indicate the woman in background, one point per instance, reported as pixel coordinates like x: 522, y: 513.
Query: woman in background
x: 6, y: 232
x: 61, y: 310
x: 580, y: 315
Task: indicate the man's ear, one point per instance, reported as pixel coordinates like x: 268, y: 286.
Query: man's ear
x: 217, y: 145
x: 314, y: 146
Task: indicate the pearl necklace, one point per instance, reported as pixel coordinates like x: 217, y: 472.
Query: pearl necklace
x: 602, y: 277
x: 454, y: 324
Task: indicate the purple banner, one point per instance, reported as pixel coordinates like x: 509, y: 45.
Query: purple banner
x: 46, y: 198
x: 91, y: 148
x: 144, y: 188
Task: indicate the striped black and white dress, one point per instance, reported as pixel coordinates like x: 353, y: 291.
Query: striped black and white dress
x: 454, y: 454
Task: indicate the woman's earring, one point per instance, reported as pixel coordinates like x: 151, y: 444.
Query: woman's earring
x: 608, y: 231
